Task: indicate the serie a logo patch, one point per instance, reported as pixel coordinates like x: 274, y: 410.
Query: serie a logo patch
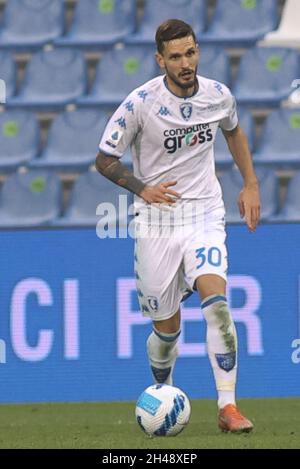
x: 114, y: 138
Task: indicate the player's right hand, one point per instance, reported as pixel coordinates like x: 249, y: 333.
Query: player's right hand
x: 160, y: 193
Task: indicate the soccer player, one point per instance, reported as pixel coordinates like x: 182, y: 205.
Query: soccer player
x: 170, y: 123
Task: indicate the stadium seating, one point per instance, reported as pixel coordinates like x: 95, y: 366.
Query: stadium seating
x: 19, y: 138
x: 193, y: 12
x: 73, y: 140
x: 121, y: 33
x: 288, y: 33
x: 100, y: 23
x: 131, y: 65
x: 241, y: 22
x: 89, y: 191
x: 291, y: 207
x: 223, y: 156
x: 31, y: 23
x: 232, y: 183
x: 215, y: 64
x: 8, y: 72
x: 265, y: 76
x: 53, y: 78
x: 30, y: 199
x: 280, y: 139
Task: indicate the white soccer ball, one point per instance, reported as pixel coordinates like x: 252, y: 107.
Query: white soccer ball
x: 163, y: 410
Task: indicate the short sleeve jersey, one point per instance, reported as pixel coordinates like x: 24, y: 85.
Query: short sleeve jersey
x: 172, y: 138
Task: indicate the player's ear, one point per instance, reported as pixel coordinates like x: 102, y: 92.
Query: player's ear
x: 160, y: 60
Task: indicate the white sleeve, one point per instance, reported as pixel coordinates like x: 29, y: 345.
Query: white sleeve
x: 121, y: 129
x: 231, y: 120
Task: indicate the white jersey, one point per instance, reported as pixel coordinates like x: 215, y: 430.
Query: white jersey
x: 172, y: 138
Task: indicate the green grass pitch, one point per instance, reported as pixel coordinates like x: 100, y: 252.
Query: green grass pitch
x: 112, y: 425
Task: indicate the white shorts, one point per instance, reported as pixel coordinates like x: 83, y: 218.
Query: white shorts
x: 167, y: 266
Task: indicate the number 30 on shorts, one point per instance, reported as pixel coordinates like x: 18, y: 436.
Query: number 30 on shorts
x: 212, y: 255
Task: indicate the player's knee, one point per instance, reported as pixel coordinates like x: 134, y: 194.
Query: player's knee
x: 168, y: 326
x: 162, y: 344
x: 208, y: 285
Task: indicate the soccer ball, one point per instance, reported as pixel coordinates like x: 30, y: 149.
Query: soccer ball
x: 163, y: 410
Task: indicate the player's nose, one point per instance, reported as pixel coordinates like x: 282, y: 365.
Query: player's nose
x: 184, y: 62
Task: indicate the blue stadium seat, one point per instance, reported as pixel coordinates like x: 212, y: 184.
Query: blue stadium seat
x: 89, y: 191
x: 19, y: 138
x: 241, y: 22
x: 53, y: 78
x: 232, y: 183
x: 73, y: 140
x: 222, y: 154
x: 30, y: 199
x: 280, y: 139
x: 31, y: 23
x: 100, y: 23
x: 193, y: 12
x: 265, y: 75
x: 8, y: 73
x: 291, y: 207
x: 132, y: 66
x: 215, y: 64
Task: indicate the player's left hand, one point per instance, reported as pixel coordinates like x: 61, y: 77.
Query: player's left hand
x: 249, y: 205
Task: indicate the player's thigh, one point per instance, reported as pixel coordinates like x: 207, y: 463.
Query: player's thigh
x: 158, y: 270
x: 205, y: 259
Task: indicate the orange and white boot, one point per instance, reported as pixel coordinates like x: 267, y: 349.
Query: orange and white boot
x: 231, y: 420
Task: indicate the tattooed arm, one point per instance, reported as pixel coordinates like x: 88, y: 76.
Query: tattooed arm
x: 112, y: 168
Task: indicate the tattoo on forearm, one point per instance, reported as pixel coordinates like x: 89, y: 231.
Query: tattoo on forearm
x: 114, y: 170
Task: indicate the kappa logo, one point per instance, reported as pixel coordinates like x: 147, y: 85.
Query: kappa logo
x: 153, y: 303
x: 218, y: 87
x: 143, y: 95
x: 164, y: 111
x: 129, y: 106
x: 122, y: 122
x: 186, y: 110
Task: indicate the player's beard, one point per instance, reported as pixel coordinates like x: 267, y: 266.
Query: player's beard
x: 183, y: 86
